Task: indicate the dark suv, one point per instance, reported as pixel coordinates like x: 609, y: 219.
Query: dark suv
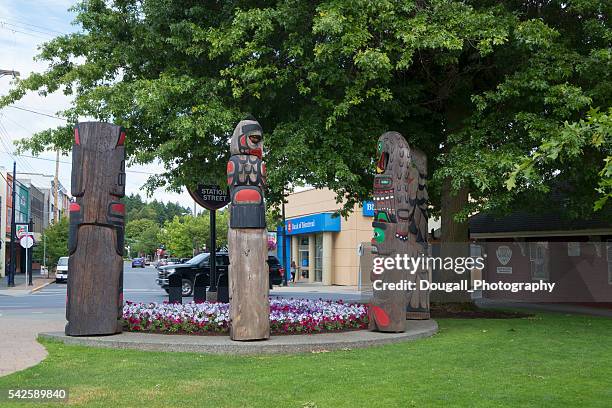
x: 200, y: 264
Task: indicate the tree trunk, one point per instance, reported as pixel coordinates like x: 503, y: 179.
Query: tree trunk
x: 454, y: 241
x: 248, y: 284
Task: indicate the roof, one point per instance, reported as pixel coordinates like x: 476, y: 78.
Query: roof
x: 551, y: 221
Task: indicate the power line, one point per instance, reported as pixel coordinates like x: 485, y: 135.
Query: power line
x: 20, y: 22
x: 22, y: 32
x: 21, y: 27
x: 36, y: 112
x: 67, y: 162
x: 3, y: 133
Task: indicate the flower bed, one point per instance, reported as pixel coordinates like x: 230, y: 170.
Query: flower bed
x: 287, y: 316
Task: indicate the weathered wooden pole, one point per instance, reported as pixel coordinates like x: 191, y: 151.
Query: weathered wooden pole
x: 400, y: 228
x: 247, y: 235
x: 95, y: 283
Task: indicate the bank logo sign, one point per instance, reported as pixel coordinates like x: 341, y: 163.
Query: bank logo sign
x: 313, y: 223
x: 368, y: 208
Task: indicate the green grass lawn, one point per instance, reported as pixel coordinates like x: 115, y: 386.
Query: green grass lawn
x: 550, y: 360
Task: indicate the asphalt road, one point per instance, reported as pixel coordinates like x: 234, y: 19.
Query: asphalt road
x: 139, y: 286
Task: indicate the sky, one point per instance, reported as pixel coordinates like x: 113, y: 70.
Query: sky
x: 24, y: 24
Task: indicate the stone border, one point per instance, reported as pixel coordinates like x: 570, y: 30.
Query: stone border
x: 417, y: 329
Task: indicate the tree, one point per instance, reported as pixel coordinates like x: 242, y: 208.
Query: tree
x: 157, y: 211
x: 54, y: 243
x: 184, y: 234
x: 478, y: 85
x: 141, y: 235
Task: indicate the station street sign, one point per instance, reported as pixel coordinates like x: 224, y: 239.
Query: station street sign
x: 209, y: 196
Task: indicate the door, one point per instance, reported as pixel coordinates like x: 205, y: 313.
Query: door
x: 303, y: 265
x: 318, y: 267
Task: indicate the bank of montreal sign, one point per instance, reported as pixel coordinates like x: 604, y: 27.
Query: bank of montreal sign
x: 308, y: 224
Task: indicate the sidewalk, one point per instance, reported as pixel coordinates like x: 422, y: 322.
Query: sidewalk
x: 18, y: 346
x: 21, y: 287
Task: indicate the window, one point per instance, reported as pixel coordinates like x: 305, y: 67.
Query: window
x: 573, y: 249
x: 538, y: 258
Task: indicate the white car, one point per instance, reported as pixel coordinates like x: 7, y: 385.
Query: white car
x: 61, y: 271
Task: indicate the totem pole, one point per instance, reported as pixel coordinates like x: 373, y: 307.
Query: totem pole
x: 247, y: 236
x: 400, y: 227
x: 95, y: 280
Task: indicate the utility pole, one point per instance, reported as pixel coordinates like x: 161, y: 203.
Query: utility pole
x: 29, y: 254
x: 11, y: 281
x: 56, y: 188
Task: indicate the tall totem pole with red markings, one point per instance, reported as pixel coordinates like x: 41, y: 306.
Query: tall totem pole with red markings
x: 247, y: 235
x: 400, y: 228
x: 97, y: 217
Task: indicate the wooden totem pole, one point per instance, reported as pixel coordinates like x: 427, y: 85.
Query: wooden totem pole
x: 95, y: 282
x: 247, y: 236
x: 400, y: 227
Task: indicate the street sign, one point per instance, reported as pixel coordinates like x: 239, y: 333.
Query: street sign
x: 21, y: 230
x: 27, y: 241
x: 210, y: 196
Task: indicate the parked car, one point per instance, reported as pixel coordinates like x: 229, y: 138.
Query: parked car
x: 61, y: 270
x: 200, y: 264
x: 138, y: 263
x: 276, y: 271
x: 167, y: 261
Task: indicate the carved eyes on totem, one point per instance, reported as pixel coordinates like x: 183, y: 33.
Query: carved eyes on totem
x: 255, y: 138
x: 379, y: 235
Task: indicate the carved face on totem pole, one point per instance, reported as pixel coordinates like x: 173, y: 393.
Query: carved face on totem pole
x: 400, y: 196
x: 246, y: 174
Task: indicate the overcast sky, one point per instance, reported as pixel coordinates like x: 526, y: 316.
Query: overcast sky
x: 24, y: 24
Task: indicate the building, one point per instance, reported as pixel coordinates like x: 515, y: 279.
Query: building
x: 63, y: 201
x: 325, y: 247
x: 576, y: 255
x: 35, y: 207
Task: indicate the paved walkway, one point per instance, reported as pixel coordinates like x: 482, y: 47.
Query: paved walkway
x: 416, y: 329
x: 18, y: 346
x: 21, y: 287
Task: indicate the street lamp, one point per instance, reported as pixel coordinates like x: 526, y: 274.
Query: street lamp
x: 4, y: 72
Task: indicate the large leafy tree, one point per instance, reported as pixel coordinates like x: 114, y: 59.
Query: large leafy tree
x: 142, y: 236
x: 54, y: 243
x: 182, y: 235
x: 479, y: 85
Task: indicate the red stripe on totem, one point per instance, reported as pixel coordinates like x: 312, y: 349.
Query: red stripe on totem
x: 74, y: 207
x: 77, y: 139
x: 118, y: 208
x: 380, y: 316
x: 121, y: 138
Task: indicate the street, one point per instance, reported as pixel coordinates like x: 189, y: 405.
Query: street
x: 139, y: 286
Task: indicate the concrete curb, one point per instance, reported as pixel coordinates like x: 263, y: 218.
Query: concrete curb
x: 417, y: 329
x: 44, y: 285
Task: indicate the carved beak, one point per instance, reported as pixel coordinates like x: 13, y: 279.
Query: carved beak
x: 382, y: 162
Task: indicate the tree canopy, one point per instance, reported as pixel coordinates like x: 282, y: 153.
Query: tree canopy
x: 136, y: 209
x: 182, y: 235
x: 480, y: 86
x: 55, y: 243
